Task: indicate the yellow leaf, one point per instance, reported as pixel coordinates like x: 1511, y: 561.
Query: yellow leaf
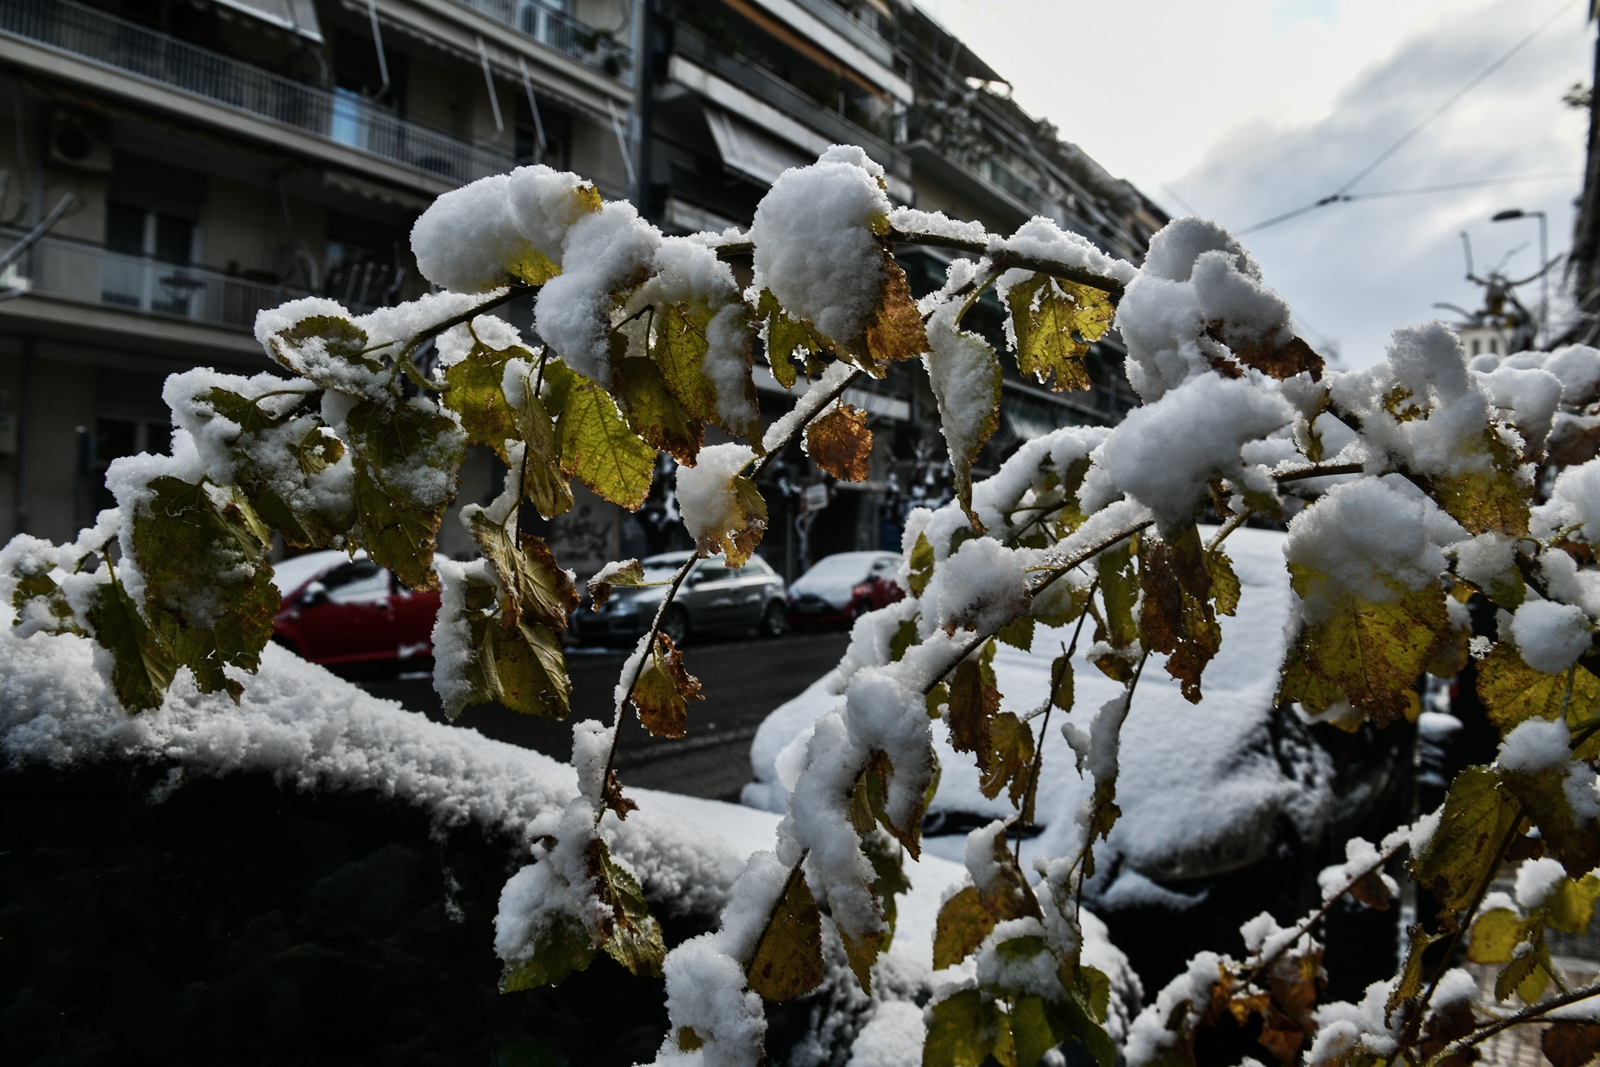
x: 1478, y: 817
x: 1513, y: 692
x: 595, y: 444
x: 921, y: 564
x: 542, y: 480
x: 1054, y: 322
x: 1369, y: 653
x: 634, y: 939
x: 398, y: 513
x: 655, y: 415
x: 788, y: 958
x: 1495, y: 936
x: 1009, y: 759
x: 475, y: 395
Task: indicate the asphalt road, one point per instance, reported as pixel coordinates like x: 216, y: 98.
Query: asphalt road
x: 741, y: 679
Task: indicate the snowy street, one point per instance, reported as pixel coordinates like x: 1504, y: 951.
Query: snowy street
x: 742, y: 680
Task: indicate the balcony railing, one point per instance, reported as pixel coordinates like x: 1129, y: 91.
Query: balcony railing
x: 89, y: 274
x: 558, y: 30
x: 771, y: 89
x: 344, y: 118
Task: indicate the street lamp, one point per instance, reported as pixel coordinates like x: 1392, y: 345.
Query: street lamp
x: 1544, y: 263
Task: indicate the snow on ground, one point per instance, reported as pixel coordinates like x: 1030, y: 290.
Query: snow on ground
x: 1200, y: 785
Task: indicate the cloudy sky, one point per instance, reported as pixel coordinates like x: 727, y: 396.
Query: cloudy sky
x: 1244, y: 109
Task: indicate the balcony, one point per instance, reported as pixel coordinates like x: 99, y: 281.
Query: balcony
x: 337, y: 117
x: 89, y: 274
x: 560, y: 31
x: 771, y: 89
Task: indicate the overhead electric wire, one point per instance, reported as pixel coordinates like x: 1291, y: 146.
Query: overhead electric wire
x: 1479, y: 183
x: 1339, y: 195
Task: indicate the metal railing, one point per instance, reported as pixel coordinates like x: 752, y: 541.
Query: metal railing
x: 337, y: 116
x: 560, y: 31
x: 696, y: 46
x: 90, y: 274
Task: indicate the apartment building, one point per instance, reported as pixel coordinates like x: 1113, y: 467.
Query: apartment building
x: 223, y: 156
x: 742, y: 89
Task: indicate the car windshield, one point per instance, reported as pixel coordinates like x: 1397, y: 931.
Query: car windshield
x: 844, y: 567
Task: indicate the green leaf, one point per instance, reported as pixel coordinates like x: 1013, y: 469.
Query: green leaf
x: 885, y: 855
x: 964, y: 1029
x: 202, y: 551
x: 475, y: 395
x: 678, y: 346
x: 655, y: 415
x: 1031, y: 1033
x: 1061, y: 694
x: 543, y: 483
x: 142, y: 663
x: 408, y: 467
x: 1572, y: 906
x: 533, y: 586
x: 788, y: 958
x: 1571, y: 837
x: 1119, y: 592
x: 905, y: 635
x: 35, y: 583
x: 784, y: 337
x: 1055, y: 321
x: 963, y: 922
x: 594, y: 443
x: 1018, y: 633
x: 1477, y: 819
x: 270, y: 449
x: 305, y: 347
x: 1367, y: 652
x: 1009, y: 759
x: 1224, y: 583
x: 1487, y: 498
x: 514, y: 662
x: 564, y: 949
x: 635, y: 939
x: 1412, y: 967
x: 921, y: 564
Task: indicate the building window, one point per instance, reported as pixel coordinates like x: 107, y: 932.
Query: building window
x: 1494, y: 345
x: 1477, y: 345
x: 147, y: 246
x: 117, y: 437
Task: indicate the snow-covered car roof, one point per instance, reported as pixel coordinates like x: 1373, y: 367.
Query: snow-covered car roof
x: 1200, y: 786
x: 832, y: 577
x: 292, y: 573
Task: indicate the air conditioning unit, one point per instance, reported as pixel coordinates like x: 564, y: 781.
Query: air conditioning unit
x: 80, y: 143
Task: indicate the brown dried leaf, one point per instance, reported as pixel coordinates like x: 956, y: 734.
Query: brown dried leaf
x: 841, y: 444
x: 896, y: 333
x: 611, y: 796
x: 664, y: 690
x: 1281, y: 361
x: 1570, y: 1044
x: 1009, y: 758
x: 1371, y: 890
x: 1176, y: 614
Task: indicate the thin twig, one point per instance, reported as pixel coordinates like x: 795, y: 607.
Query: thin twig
x: 1228, y: 528
x: 403, y: 360
x: 1319, y: 470
x: 829, y: 398
x: 1305, y: 925
x: 1529, y: 1014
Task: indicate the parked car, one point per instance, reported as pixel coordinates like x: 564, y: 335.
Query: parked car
x: 339, y: 610
x: 714, y: 597
x: 845, y: 586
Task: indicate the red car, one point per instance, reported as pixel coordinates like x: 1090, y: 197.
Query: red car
x: 845, y: 586
x: 338, y: 610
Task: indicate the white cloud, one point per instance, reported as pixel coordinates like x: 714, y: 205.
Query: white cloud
x: 1251, y: 107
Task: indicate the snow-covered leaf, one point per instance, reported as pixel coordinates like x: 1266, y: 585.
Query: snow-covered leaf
x: 655, y: 414
x: 634, y: 939
x: 1176, y: 614
x: 407, y: 466
x: 788, y: 958
x: 142, y: 663
x: 1055, y: 321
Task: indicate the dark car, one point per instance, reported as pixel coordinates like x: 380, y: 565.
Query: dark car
x: 714, y: 597
x: 339, y: 610
x: 845, y: 586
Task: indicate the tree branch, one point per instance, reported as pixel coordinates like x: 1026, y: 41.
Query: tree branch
x: 1531, y: 1013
